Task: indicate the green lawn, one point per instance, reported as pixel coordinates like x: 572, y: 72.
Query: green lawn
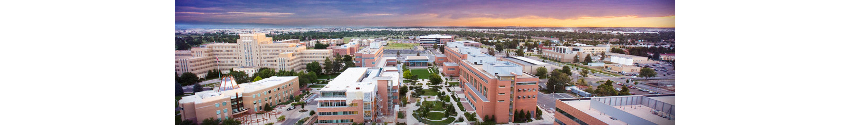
x: 454, y: 83
x: 444, y: 122
x: 423, y: 73
x: 328, y: 76
x: 429, y: 92
x: 438, y: 106
x: 592, y: 70
x: 435, y: 115
x: 400, y: 45
x: 317, y: 85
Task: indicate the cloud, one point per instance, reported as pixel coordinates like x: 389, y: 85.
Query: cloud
x: 262, y: 13
x: 195, y: 13
x: 424, y: 13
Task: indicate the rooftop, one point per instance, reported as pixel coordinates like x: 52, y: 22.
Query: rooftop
x: 635, y: 109
x: 530, y: 61
x: 435, y: 36
x: 211, y: 95
x: 417, y: 58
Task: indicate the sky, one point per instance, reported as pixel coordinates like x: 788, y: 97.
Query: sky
x: 401, y: 13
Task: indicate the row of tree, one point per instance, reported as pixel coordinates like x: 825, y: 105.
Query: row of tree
x: 186, y: 41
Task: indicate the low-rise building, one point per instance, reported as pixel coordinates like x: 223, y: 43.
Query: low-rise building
x: 568, y: 53
x: 429, y: 40
x: 230, y: 99
x: 439, y: 59
x: 621, y: 68
x: 416, y: 61
x: 250, y: 50
x: 668, y: 57
x: 346, y: 49
x: 626, y: 59
x: 617, y: 110
x: 359, y: 95
x: 530, y: 65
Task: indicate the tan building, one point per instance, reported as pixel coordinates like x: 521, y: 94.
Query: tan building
x: 620, y: 68
x: 232, y: 100
x: 359, y: 95
x: 568, y: 53
x: 250, y: 50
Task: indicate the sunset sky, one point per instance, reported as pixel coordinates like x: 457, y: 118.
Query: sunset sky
x: 528, y: 13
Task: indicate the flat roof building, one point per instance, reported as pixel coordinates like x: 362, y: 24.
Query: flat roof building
x: 568, y: 53
x: 428, y: 40
x: 233, y: 100
x: 494, y: 88
x: 530, y: 65
x: 359, y: 95
x: 617, y: 110
x: 250, y: 50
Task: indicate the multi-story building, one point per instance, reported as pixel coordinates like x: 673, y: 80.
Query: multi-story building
x: 233, y: 100
x: 250, y: 50
x: 373, y: 56
x: 530, y: 65
x: 617, y: 110
x: 346, y: 49
x: 493, y: 88
x: 430, y: 40
x: 359, y: 95
x: 439, y: 59
x: 568, y: 53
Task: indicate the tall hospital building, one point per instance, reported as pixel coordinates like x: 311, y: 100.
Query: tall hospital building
x: 493, y: 88
x: 359, y: 95
x: 250, y: 50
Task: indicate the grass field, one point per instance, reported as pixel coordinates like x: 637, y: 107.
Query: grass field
x: 438, y: 106
x: 435, y: 115
x: 454, y: 83
x: 423, y: 73
x: 326, y: 76
x: 429, y: 92
x: 317, y: 86
x: 400, y: 45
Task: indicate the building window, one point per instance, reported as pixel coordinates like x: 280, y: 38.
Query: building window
x: 216, y: 105
x: 217, y: 112
x: 501, y: 93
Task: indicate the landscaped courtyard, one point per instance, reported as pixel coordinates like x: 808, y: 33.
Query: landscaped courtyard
x: 422, y: 73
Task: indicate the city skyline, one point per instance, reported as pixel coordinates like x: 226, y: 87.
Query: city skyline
x: 582, y: 13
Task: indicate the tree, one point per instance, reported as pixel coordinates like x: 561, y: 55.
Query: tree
x: 538, y: 113
x: 575, y: 59
x: 491, y: 51
x: 541, y: 72
x: 435, y: 79
x: 320, y: 46
x: 240, y: 76
x: 329, y: 65
x: 230, y: 121
x: 257, y: 79
x: 178, y: 90
x: 587, y: 59
x: 520, y: 52
x: 337, y: 63
x: 500, y: 47
x: 210, y: 121
x: 312, y: 66
x: 347, y: 58
x: 589, y: 89
x: 189, y: 78
x: 566, y: 70
x: 527, y: 115
x: 197, y: 88
x: 646, y: 73
x: 312, y: 112
x: 267, y: 107
x: 584, y: 73
x: 406, y: 74
x: 624, y: 91
x: 417, y: 53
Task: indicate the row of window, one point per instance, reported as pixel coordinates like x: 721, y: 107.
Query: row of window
x: 570, y: 116
x: 337, y: 121
x: 339, y: 113
x: 332, y: 104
